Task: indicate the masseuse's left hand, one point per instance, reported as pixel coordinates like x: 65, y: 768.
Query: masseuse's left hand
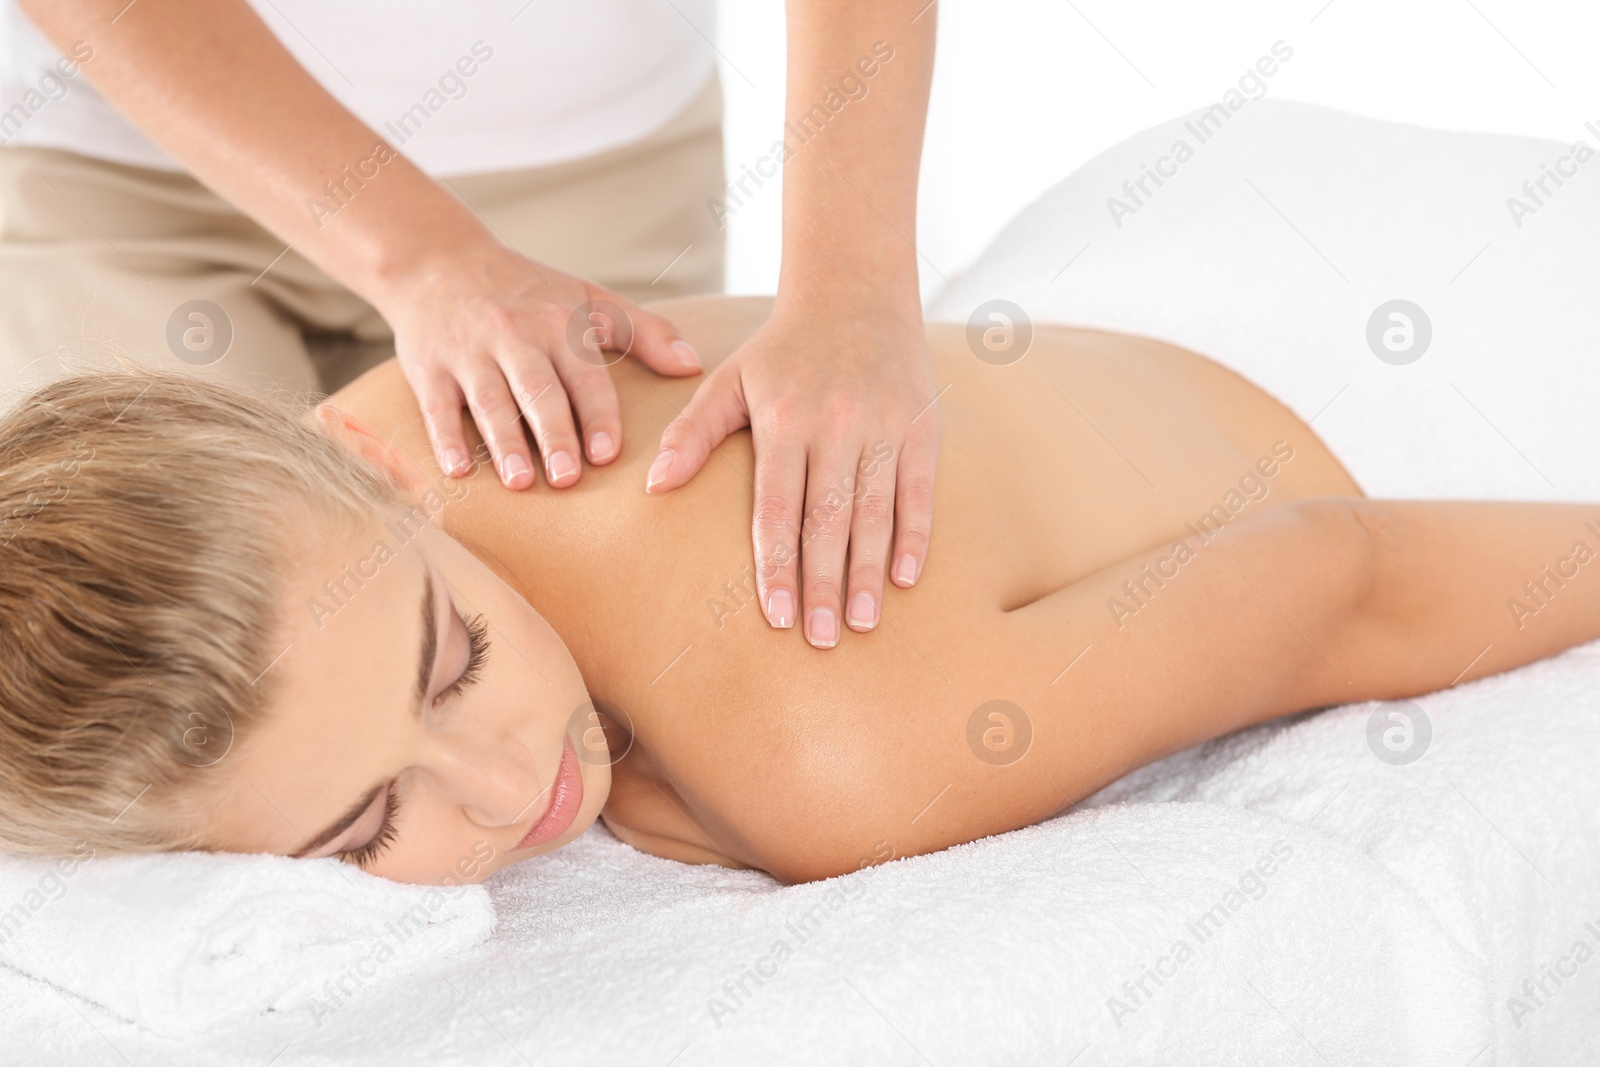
x: 836, y: 387
x: 839, y: 400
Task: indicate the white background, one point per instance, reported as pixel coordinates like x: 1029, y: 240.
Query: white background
x: 1025, y: 90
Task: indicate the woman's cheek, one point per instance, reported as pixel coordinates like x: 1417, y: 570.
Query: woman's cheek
x: 466, y: 861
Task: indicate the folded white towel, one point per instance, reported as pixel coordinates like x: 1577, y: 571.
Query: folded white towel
x: 180, y: 942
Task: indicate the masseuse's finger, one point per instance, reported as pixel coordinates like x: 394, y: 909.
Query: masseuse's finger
x: 913, y: 500
x: 593, y: 396
x: 542, y: 401
x: 824, y: 539
x: 439, y: 399
x: 775, y: 523
x: 647, y: 337
x: 716, y: 410
x: 489, y: 400
x: 871, y: 526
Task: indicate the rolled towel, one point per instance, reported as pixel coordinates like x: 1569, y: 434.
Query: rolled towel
x: 180, y: 942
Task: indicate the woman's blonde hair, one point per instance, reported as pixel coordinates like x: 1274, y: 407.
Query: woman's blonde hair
x: 149, y: 520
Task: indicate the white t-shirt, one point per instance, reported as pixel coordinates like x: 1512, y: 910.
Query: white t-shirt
x: 459, y: 86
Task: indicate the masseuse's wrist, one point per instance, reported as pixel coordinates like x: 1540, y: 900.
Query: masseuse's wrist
x: 383, y: 236
x: 420, y: 264
x: 806, y: 297
x: 863, y: 318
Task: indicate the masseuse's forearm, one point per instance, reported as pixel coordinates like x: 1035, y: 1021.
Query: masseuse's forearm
x: 1460, y: 590
x: 850, y: 184
x: 212, y: 85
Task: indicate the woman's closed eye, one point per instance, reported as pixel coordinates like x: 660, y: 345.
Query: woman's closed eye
x: 365, y: 854
x: 477, y: 655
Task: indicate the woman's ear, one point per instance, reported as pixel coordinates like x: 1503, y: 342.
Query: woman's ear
x: 401, y: 470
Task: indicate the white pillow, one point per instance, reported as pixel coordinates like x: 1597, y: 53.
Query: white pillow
x: 1272, y: 245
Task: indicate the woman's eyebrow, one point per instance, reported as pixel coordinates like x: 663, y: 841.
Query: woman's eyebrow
x: 430, y: 649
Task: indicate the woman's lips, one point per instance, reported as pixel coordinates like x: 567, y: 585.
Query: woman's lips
x: 567, y: 798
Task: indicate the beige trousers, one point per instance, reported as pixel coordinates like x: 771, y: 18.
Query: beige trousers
x: 97, y: 257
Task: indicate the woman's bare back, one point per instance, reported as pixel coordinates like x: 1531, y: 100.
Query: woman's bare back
x: 1090, y: 449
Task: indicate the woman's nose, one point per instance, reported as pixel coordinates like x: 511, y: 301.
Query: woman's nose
x: 496, y: 781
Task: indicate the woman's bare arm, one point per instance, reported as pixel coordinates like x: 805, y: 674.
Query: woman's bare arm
x: 1320, y: 602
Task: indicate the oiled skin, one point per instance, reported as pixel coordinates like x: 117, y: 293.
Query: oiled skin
x: 1092, y: 448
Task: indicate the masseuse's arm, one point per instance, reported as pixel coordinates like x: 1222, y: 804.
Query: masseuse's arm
x: 475, y: 322
x: 837, y: 387
x: 1322, y: 602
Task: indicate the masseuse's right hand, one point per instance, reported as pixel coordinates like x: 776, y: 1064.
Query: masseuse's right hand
x: 517, y: 341
x: 475, y: 323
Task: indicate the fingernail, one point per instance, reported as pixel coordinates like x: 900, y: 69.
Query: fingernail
x: 686, y: 354
x: 455, y: 461
x: 780, y: 609
x: 658, y: 469
x: 905, y: 572
x: 561, y: 466
x: 862, y: 611
x: 601, y: 447
x: 824, y: 628
x: 513, y: 467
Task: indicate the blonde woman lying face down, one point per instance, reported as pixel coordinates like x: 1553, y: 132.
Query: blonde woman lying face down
x: 230, y: 626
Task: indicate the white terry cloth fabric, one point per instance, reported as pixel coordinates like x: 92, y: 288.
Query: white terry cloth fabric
x: 1334, y: 907
x: 1270, y: 248
x: 181, y: 943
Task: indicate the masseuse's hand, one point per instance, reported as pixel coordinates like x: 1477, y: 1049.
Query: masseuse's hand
x: 518, y: 342
x: 839, y: 401
x: 475, y: 323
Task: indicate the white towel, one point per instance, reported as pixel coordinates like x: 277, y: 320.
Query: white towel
x: 182, y: 942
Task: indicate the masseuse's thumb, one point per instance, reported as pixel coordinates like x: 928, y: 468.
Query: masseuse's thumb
x: 655, y: 342
x: 716, y: 410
